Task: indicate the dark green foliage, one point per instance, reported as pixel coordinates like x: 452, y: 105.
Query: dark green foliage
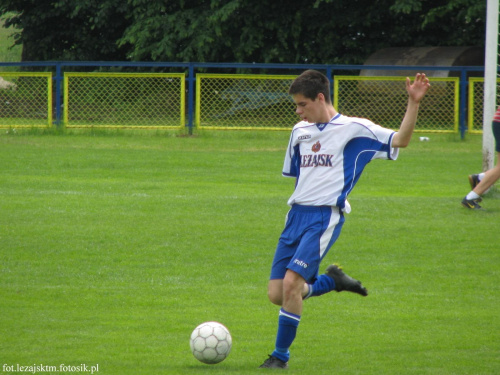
x: 281, y: 31
x: 67, y: 30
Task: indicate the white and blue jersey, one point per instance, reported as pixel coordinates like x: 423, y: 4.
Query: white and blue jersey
x: 327, y: 161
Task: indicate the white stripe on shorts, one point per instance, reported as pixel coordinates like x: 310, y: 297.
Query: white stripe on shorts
x: 327, y: 235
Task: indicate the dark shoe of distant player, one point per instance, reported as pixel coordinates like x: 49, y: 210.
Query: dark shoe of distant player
x: 344, y: 282
x: 473, y: 180
x: 273, y: 362
x: 471, y: 204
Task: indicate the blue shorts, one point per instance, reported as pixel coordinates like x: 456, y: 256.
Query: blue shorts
x: 496, y: 134
x: 309, y: 233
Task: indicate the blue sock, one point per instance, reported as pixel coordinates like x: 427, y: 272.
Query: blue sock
x: 287, y: 329
x: 322, y: 285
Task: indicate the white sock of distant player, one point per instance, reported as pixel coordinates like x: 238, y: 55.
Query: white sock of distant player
x: 472, y: 196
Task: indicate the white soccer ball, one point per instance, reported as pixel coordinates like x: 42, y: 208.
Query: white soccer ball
x: 210, y: 342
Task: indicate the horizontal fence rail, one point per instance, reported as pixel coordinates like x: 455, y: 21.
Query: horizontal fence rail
x: 223, y: 95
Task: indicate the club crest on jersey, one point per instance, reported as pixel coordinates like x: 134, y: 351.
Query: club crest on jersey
x: 316, y: 147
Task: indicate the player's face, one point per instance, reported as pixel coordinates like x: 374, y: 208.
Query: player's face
x: 309, y: 110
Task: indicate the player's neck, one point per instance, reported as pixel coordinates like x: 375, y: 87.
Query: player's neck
x: 327, y: 115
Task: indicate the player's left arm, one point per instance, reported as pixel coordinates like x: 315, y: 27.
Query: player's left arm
x: 416, y: 93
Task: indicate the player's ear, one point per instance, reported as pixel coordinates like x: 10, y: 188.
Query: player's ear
x: 320, y: 97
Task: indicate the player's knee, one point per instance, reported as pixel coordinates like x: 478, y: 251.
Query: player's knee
x: 275, y: 291
x: 292, y: 287
x: 275, y: 297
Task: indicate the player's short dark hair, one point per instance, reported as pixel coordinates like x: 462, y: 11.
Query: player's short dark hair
x: 310, y: 83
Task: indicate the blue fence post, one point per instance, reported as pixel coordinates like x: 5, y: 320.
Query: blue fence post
x: 329, y: 74
x: 58, y: 81
x: 191, y: 79
x: 58, y: 94
x: 463, y: 101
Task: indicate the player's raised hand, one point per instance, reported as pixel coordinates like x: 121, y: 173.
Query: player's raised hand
x: 419, y: 88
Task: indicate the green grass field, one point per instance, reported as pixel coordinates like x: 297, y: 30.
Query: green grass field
x: 114, y: 246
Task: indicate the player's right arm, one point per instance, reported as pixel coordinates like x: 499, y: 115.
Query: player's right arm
x: 416, y: 93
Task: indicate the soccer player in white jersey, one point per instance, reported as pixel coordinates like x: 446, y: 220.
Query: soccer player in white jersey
x: 327, y: 153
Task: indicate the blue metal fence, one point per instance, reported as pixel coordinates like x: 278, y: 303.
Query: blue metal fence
x: 58, y: 67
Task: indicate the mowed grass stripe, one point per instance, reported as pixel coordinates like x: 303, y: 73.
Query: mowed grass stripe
x: 114, y: 247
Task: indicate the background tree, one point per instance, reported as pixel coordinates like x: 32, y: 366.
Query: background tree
x: 282, y: 31
x: 67, y: 30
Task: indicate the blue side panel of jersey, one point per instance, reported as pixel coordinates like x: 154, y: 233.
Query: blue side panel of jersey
x: 295, y: 163
x: 357, y: 154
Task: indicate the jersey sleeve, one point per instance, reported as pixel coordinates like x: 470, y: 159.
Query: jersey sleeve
x: 390, y: 152
x: 291, y: 165
x: 385, y: 136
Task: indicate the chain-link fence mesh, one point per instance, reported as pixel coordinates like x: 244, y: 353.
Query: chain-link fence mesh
x: 124, y: 99
x: 222, y: 101
x: 476, y: 104
x: 25, y: 99
x: 383, y: 100
x: 240, y: 101
x: 262, y: 101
